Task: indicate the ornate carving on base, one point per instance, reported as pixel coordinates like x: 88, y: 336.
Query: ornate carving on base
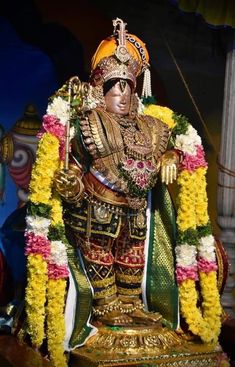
x: 135, y: 339
x: 150, y: 346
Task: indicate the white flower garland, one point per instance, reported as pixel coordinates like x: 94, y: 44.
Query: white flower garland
x: 206, y: 248
x: 189, y: 141
x: 59, y: 108
x: 58, y: 254
x: 186, y: 255
x: 38, y: 225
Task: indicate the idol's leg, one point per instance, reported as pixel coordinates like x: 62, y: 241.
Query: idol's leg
x: 129, y: 267
x: 99, y: 264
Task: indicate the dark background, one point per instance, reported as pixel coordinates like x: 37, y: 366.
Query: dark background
x: 44, y: 42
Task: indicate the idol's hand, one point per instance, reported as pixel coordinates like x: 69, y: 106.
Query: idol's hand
x: 169, y: 167
x: 69, y: 184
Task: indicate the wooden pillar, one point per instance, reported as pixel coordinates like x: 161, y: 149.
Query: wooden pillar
x: 226, y: 179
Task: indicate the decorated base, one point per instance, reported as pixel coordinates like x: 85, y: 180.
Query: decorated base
x: 142, y: 347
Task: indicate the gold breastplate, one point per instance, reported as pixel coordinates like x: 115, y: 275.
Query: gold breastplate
x: 113, y: 141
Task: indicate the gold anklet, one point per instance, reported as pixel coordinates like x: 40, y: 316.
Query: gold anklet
x: 129, y: 308
x: 106, y: 309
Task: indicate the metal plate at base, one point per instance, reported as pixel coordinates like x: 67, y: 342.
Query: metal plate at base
x: 136, y: 352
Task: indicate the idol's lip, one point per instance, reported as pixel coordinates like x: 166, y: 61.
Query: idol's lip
x: 122, y: 107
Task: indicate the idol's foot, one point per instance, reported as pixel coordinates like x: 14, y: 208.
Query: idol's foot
x: 140, y: 316
x: 134, y: 307
x: 110, y: 313
x: 115, y: 318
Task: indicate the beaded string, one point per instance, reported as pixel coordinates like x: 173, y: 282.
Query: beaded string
x: 147, y: 89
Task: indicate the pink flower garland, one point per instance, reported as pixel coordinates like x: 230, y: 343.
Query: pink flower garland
x: 192, y: 162
x: 52, y: 125
x: 186, y: 272
x: 206, y: 266
x: 57, y: 271
x: 62, y: 150
x: 40, y: 245
x: 191, y: 272
x: 37, y: 245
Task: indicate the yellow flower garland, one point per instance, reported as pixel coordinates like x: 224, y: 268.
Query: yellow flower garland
x: 56, y: 210
x: 192, y: 212
x: 40, y: 193
x: 56, y: 296
x: 35, y: 298
x: 47, y: 162
x: 55, y: 321
x: 186, y: 215
x: 201, y: 203
x: 162, y: 113
x: 208, y: 324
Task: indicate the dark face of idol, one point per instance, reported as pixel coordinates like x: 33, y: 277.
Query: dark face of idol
x: 118, y: 97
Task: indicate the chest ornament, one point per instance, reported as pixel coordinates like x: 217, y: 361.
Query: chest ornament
x: 140, y: 175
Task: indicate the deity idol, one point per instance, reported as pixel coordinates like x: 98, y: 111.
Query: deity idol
x: 105, y: 219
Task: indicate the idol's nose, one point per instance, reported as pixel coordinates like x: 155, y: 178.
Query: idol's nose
x: 123, y: 101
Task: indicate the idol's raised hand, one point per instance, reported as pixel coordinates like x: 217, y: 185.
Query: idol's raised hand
x: 68, y: 183
x: 169, y: 167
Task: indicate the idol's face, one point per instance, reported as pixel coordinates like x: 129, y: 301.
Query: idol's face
x: 118, y: 98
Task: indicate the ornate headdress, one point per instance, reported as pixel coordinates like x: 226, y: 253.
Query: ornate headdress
x: 122, y: 55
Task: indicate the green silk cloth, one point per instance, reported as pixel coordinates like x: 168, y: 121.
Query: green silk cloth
x: 84, y: 299
x: 161, y: 290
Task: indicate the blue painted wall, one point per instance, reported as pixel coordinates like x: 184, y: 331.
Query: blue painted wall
x: 27, y: 76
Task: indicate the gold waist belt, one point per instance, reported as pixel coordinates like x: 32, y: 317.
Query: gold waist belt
x: 103, y: 193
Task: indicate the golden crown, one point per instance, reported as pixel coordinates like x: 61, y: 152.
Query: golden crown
x: 120, y: 56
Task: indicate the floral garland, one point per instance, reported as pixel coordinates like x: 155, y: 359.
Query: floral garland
x: 160, y: 112
x: 195, y: 250
x: 47, y: 263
